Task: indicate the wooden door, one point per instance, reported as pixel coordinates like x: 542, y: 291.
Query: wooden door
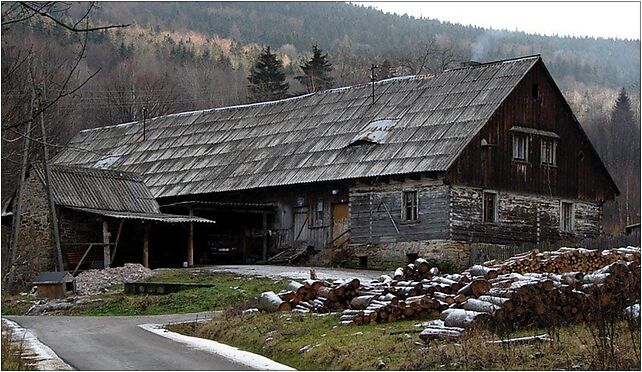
x: 301, y: 222
x: 340, y: 224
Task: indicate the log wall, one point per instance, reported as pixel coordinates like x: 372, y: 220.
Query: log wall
x: 521, y: 218
x: 376, y: 212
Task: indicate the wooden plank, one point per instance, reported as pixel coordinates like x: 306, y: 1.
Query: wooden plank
x: 146, y: 245
x: 106, y: 252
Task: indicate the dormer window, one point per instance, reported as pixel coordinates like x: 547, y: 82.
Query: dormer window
x: 375, y: 132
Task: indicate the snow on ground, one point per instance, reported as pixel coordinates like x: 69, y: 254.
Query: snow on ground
x: 294, y: 272
x: 45, y: 359
x: 231, y: 353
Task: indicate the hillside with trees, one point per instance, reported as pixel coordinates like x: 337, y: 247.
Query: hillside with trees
x: 174, y: 57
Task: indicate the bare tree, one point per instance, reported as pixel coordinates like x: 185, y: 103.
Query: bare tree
x: 427, y: 57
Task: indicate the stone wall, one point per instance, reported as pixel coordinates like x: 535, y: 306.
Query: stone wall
x: 35, y: 246
x: 387, y: 256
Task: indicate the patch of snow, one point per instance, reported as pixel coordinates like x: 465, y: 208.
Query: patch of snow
x: 46, y: 359
x: 109, y: 126
x: 228, y: 352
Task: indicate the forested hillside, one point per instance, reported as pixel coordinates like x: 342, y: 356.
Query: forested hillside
x: 175, y: 57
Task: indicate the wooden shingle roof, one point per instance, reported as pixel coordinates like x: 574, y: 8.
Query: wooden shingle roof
x: 308, y: 138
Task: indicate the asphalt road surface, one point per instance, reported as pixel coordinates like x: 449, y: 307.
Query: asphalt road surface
x: 117, y: 343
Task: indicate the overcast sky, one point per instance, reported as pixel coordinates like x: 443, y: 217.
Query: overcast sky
x: 605, y: 19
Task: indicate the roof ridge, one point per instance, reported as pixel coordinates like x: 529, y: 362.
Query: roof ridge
x: 102, y: 171
x: 499, y: 61
x: 327, y: 91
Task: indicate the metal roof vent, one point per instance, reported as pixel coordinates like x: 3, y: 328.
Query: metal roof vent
x: 375, y: 132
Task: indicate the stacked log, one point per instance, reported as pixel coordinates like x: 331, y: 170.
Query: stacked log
x: 562, y: 260
x: 535, y: 288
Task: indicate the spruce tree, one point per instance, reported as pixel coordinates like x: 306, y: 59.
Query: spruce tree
x: 267, y: 79
x: 623, y: 156
x: 316, y: 71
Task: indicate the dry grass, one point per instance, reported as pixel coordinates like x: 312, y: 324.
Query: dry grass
x: 282, y: 337
x: 13, y: 353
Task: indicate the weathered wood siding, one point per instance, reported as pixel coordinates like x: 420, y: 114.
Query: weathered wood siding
x: 374, y: 208
x: 578, y: 174
x: 521, y: 218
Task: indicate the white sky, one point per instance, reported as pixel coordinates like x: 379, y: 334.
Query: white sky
x: 598, y: 19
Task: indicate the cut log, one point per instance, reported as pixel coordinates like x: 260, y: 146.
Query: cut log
x: 466, y: 318
x: 475, y: 288
x: 486, y: 272
x: 271, y: 302
x: 480, y: 306
x: 361, y: 302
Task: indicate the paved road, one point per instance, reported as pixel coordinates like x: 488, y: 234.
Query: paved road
x: 295, y: 272
x: 117, y: 343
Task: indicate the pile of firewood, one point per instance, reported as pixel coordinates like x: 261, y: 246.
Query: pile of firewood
x: 498, y: 294
x: 311, y: 296
x: 563, y: 260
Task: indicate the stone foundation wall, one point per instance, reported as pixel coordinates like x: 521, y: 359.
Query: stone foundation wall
x: 35, y: 246
x: 387, y: 256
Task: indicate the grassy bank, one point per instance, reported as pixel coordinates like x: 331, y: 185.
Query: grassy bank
x: 227, y: 291
x: 311, y: 342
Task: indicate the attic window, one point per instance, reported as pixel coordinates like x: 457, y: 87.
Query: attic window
x: 107, y: 161
x: 375, y: 132
x: 535, y: 91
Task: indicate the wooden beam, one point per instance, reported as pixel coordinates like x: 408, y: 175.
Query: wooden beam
x: 82, y: 259
x: 106, y: 253
x: 120, y: 228
x: 190, y: 241
x: 146, y: 246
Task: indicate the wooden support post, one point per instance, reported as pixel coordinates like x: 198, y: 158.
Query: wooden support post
x: 190, y: 240
x: 265, y: 238
x: 106, y: 253
x: 146, y: 246
x: 120, y: 228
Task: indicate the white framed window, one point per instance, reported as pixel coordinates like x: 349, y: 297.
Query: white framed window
x: 520, y: 147
x: 549, y: 152
x: 409, y: 206
x: 566, y: 216
x: 489, y: 207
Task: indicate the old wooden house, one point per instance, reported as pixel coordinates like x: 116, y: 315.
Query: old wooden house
x: 427, y: 166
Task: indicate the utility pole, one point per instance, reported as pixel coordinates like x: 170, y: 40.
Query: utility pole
x: 144, y: 122
x: 52, y: 204
x: 373, y: 76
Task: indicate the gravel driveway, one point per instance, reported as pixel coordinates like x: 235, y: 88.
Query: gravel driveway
x: 294, y: 272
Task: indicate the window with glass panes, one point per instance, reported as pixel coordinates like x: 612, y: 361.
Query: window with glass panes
x: 410, y: 204
x: 549, y: 152
x: 520, y: 147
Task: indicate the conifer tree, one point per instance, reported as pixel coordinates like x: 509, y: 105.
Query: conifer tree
x: 316, y: 71
x: 267, y: 79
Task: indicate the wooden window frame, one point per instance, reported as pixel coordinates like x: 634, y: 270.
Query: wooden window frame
x: 563, y: 227
x: 414, y: 206
x: 526, y: 139
x: 544, y: 143
x: 495, y: 204
x: 318, y: 220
